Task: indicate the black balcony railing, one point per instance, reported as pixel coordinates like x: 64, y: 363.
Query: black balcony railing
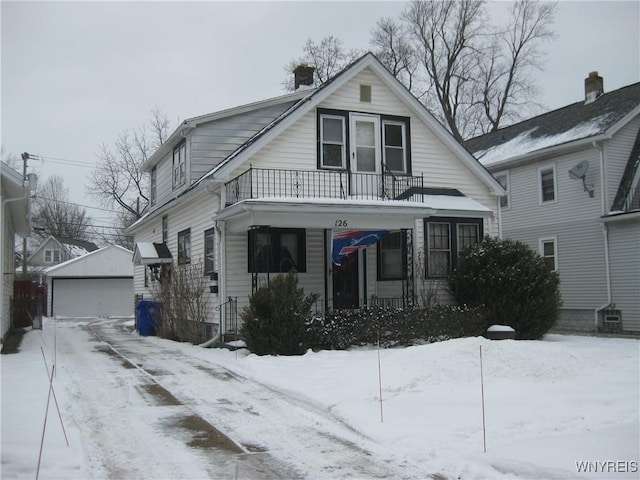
x: 274, y: 183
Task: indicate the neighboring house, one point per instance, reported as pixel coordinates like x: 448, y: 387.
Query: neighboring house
x: 54, y: 250
x: 572, y: 181
x: 96, y: 284
x: 269, y: 187
x: 14, y: 219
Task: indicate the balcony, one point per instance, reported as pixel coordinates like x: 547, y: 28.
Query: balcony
x: 322, y: 184
x: 633, y: 200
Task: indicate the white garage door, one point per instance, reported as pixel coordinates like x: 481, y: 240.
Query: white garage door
x: 92, y: 297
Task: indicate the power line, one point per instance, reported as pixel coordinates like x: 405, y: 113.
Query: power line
x: 76, y: 204
x: 64, y: 161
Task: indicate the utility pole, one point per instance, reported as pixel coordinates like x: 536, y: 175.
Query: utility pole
x: 25, y: 157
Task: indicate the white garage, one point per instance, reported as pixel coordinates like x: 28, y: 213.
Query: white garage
x: 98, y: 284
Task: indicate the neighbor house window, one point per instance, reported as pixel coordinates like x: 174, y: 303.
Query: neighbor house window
x: 52, y: 256
x: 184, y: 247
x: 547, y: 184
x: 332, y: 141
x: 209, y: 251
x: 179, y: 164
x: 445, y: 239
x: 391, y: 256
x: 277, y: 250
x: 549, y: 251
x: 503, y: 179
x: 154, y: 185
x: 165, y: 229
x: 394, y: 146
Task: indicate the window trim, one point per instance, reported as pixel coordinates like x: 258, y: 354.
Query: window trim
x: 184, y: 249
x: 52, y: 252
x: 454, y: 249
x: 337, y: 115
x: 507, y: 187
x: 210, y: 232
x: 153, y: 187
x: 405, y: 163
x: 275, y: 233
x: 544, y: 169
x: 382, y: 277
x: 182, y: 161
x: 549, y: 239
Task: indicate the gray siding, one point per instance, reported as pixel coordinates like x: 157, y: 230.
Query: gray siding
x: 624, y: 257
x: 617, y: 151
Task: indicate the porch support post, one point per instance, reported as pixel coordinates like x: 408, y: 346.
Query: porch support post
x: 407, y: 279
x: 253, y: 251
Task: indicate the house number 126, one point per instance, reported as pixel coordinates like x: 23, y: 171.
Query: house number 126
x: 340, y: 223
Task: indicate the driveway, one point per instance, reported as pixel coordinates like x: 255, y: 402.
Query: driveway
x: 146, y: 410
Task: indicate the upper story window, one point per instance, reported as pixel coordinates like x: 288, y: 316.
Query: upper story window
x: 394, y: 141
x: 209, y: 251
x: 184, y: 247
x: 503, y: 179
x: 364, y: 142
x: 165, y: 229
x: 391, y: 256
x: 51, y: 256
x: 179, y: 165
x: 154, y: 185
x: 549, y: 251
x: 445, y: 239
x: 332, y: 141
x: 277, y: 250
x: 547, y: 176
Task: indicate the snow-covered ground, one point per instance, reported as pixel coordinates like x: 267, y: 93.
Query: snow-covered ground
x: 564, y: 407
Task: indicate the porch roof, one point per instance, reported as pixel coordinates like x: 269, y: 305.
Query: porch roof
x: 352, y: 213
x: 149, y: 253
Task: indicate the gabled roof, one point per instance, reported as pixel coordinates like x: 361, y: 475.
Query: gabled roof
x: 74, y: 247
x: 559, y: 128
x: 116, y: 264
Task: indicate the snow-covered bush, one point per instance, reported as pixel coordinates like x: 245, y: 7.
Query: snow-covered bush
x: 513, y: 283
x: 341, y: 329
x: 274, y: 322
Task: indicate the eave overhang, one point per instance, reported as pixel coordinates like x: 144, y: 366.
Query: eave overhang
x: 333, y: 214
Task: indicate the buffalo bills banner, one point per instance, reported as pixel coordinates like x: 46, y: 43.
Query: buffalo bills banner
x: 348, y: 241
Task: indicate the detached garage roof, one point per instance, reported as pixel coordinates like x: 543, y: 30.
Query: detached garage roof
x: 111, y: 261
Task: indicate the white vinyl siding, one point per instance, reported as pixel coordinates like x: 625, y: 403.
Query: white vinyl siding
x: 624, y: 254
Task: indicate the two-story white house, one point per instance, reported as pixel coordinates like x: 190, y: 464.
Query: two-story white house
x: 300, y: 182
x: 572, y: 178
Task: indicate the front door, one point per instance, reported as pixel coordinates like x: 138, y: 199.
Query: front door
x: 365, y: 154
x: 346, y: 281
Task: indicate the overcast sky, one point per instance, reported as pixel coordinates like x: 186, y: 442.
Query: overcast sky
x: 76, y: 74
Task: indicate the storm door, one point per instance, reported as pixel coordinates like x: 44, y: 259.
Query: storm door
x: 365, y: 155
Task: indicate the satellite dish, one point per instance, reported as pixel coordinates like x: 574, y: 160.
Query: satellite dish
x: 579, y: 170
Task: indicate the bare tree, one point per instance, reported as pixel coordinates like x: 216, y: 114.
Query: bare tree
x: 118, y: 180
x: 328, y: 57
x: 53, y: 214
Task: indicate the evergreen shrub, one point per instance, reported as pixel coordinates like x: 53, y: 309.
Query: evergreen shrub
x: 275, y: 321
x: 513, y: 283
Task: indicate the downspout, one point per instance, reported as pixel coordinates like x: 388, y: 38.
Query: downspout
x: 605, y: 229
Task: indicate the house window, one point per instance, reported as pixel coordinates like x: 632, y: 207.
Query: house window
x: 391, y: 256
x: 179, y: 165
x: 184, y: 247
x: 332, y: 141
x: 503, y: 179
x: 445, y: 239
x: 277, y: 250
x: 394, y: 146
x: 209, y: 251
x: 52, y: 256
x: 154, y: 185
x: 547, y: 184
x: 146, y: 276
x: 165, y: 229
x: 365, y: 93
x: 549, y: 251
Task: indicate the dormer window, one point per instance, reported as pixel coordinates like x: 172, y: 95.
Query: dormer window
x: 52, y: 256
x: 179, y: 165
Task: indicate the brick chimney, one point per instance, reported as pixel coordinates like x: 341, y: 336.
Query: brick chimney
x: 303, y: 76
x: 593, y: 87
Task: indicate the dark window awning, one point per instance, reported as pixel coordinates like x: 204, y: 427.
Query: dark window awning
x: 148, y: 253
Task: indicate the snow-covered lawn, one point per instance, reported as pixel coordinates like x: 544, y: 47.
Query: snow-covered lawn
x: 552, y: 407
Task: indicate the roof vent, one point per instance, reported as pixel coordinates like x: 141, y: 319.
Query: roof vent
x: 593, y: 87
x: 303, y: 76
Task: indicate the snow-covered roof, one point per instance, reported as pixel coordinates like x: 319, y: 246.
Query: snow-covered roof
x: 576, y: 122
x: 149, y: 253
x: 112, y: 260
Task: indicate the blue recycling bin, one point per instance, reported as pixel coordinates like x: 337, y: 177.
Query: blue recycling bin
x: 148, y: 313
